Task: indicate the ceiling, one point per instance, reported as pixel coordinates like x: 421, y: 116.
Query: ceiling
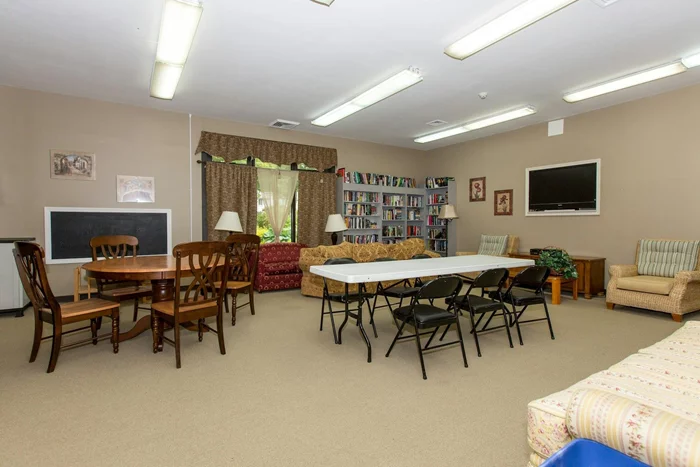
x: 258, y: 60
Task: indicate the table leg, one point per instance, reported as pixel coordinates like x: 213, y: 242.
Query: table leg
x: 361, y: 289
x: 345, y: 321
x: 163, y: 290
x: 556, y: 291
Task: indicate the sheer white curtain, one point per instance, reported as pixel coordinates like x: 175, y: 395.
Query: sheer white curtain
x: 277, y: 189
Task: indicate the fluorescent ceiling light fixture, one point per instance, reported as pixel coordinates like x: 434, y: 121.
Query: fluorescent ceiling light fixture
x: 520, y: 17
x: 177, y: 29
x: 692, y: 61
x: 391, y: 86
x: 483, y: 123
x: 323, y: 2
x: 164, y: 80
x: 626, y: 82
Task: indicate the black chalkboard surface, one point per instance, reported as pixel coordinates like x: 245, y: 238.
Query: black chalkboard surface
x: 68, y: 233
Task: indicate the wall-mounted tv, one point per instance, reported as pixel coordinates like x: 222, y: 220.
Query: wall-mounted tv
x: 571, y: 189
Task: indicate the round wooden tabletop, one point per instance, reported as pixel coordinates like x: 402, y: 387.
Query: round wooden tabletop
x: 140, y: 268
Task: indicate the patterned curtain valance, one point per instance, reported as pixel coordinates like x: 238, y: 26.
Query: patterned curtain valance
x: 232, y: 147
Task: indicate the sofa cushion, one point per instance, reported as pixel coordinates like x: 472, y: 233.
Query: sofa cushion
x: 666, y: 257
x: 494, y: 245
x: 280, y: 267
x: 649, y: 284
x: 408, y: 248
x: 344, y: 250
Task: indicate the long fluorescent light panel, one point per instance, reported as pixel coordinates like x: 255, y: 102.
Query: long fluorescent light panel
x: 483, y: 123
x: 520, y: 17
x: 626, y: 82
x: 391, y: 86
x: 692, y: 61
x: 177, y: 29
x: 323, y: 2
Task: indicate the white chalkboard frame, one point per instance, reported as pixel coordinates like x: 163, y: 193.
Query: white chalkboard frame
x: 47, y: 229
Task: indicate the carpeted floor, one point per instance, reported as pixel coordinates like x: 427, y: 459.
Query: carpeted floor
x: 285, y: 395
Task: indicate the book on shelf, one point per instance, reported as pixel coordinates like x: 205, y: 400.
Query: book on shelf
x: 368, y: 178
x: 393, y: 200
x: 361, y: 196
x: 438, y: 245
x: 437, y: 198
x: 360, y: 239
x: 360, y: 210
x: 437, y: 182
x: 436, y: 234
x: 392, y: 231
x: 360, y: 223
x: 413, y: 215
x: 413, y: 201
x: 393, y: 214
x: 414, y: 231
x: 435, y: 221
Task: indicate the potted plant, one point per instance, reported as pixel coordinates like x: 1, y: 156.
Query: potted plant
x: 559, y: 262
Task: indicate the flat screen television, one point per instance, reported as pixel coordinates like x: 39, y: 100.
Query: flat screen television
x: 563, y: 189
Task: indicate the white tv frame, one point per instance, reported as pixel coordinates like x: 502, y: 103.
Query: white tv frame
x: 566, y: 212
x: 47, y: 229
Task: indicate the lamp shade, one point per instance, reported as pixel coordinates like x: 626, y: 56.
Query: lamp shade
x: 335, y: 223
x: 447, y: 211
x: 229, y: 221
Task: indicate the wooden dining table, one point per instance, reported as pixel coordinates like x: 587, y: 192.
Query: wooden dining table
x: 160, y: 270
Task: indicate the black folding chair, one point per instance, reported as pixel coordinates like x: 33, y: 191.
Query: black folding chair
x: 399, y: 290
x: 526, y: 289
x: 345, y: 298
x: 422, y: 316
x: 482, y: 306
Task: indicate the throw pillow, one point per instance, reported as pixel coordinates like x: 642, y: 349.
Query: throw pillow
x: 493, y: 245
x: 665, y: 258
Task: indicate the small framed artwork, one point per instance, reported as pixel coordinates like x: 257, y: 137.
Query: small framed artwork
x: 503, y: 203
x: 132, y: 189
x: 477, y: 189
x: 73, y: 165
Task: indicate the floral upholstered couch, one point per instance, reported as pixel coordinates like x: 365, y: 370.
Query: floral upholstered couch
x: 278, y: 267
x: 647, y: 406
x: 312, y: 285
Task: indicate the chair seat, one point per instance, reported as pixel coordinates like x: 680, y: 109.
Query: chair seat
x: 399, y: 291
x: 168, y: 307
x: 84, y: 309
x: 647, y: 284
x: 520, y: 297
x: 350, y: 298
x: 479, y: 304
x: 426, y: 315
x: 234, y: 285
x: 126, y: 293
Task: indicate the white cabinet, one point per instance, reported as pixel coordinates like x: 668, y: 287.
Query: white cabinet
x: 12, y: 296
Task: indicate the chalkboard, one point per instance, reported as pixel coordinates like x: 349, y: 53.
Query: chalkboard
x: 69, y: 230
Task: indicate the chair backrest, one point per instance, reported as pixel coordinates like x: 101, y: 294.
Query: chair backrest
x: 379, y: 260
x: 245, y: 250
x: 442, y: 287
x: 29, y: 258
x: 204, y: 260
x: 491, y: 278
x: 113, y: 246
x: 532, y: 278
x: 665, y: 258
x: 421, y: 256
x: 334, y: 261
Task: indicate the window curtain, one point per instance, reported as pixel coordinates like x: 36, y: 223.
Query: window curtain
x: 277, y: 188
x: 231, y: 187
x: 316, y: 202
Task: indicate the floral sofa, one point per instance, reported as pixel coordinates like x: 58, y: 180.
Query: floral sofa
x: 278, y: 267
x: 312, y: 285
x: 647, y: 406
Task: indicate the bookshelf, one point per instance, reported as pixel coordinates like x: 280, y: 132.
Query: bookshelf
x: 440, y: 235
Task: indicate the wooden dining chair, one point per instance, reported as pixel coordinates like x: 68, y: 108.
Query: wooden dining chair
x: 29, y: 258
x: 245, y: 250
x: 202, y: 298
x: 113, y: 247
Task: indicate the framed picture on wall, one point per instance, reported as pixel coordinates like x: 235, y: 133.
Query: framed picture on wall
x: 132, y: 189
x: 477, y: 189
x: 503, y: 203
x: 73, y: 165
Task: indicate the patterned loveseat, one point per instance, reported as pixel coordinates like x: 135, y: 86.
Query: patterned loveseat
x: 665, y: 277
x: 647, y: 406
x: 312, y: 285
x: 278, y: 267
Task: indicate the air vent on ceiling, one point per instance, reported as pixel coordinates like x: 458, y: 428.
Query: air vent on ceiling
x: 436, y: 122
x: 284, y: 124
x: 604, y: 3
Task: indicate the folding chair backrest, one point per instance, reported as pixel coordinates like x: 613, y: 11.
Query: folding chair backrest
x: 491, y: 278
x: 379, y: 260
x: 421, y: 256
x: 442, y: 287
x: 532, y: 278
x: 334, y: 261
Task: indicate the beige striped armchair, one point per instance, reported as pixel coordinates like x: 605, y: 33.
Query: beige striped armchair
x: 665, y: 277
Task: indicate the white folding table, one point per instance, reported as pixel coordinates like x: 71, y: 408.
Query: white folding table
x: 361, y: 273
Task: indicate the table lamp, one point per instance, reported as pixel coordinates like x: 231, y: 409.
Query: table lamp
x: 230, y: 222
x: 335, y: 224
x: 447, y: 212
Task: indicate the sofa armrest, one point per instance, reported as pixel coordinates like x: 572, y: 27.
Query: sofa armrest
x: 650, y: 435
x: 306, y: 261
x: 686, y: 277
x: 432, y: 254
x: 623, y: 270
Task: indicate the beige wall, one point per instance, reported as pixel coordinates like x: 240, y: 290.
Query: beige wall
x: 128, y: 141
x: 650, y: 167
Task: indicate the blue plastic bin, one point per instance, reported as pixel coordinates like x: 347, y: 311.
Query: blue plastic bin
x: 587, y: 453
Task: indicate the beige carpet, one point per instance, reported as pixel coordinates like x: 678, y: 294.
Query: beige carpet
x: 285, y: 395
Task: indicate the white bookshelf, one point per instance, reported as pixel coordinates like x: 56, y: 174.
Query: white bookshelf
x: 440, y: 235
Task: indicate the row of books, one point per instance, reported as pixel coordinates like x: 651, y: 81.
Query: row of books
x: 393, y: 200
x: 437, y: 198
x: 368, y: 178
x: 434, y: 220
x: 361, y: 238
x: 433, y: 210
x: 414, y: 201
x: 360, y: 223
x: 392, y: 214
x: 437, y: 233
x: 413, y: 215
x: 414, y: 231
x: 360, y: 210
x: 392, y: 231
x: 437, y: 182
x: 438, y: 245
x: 391, y: 241
x: 361, y: 196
